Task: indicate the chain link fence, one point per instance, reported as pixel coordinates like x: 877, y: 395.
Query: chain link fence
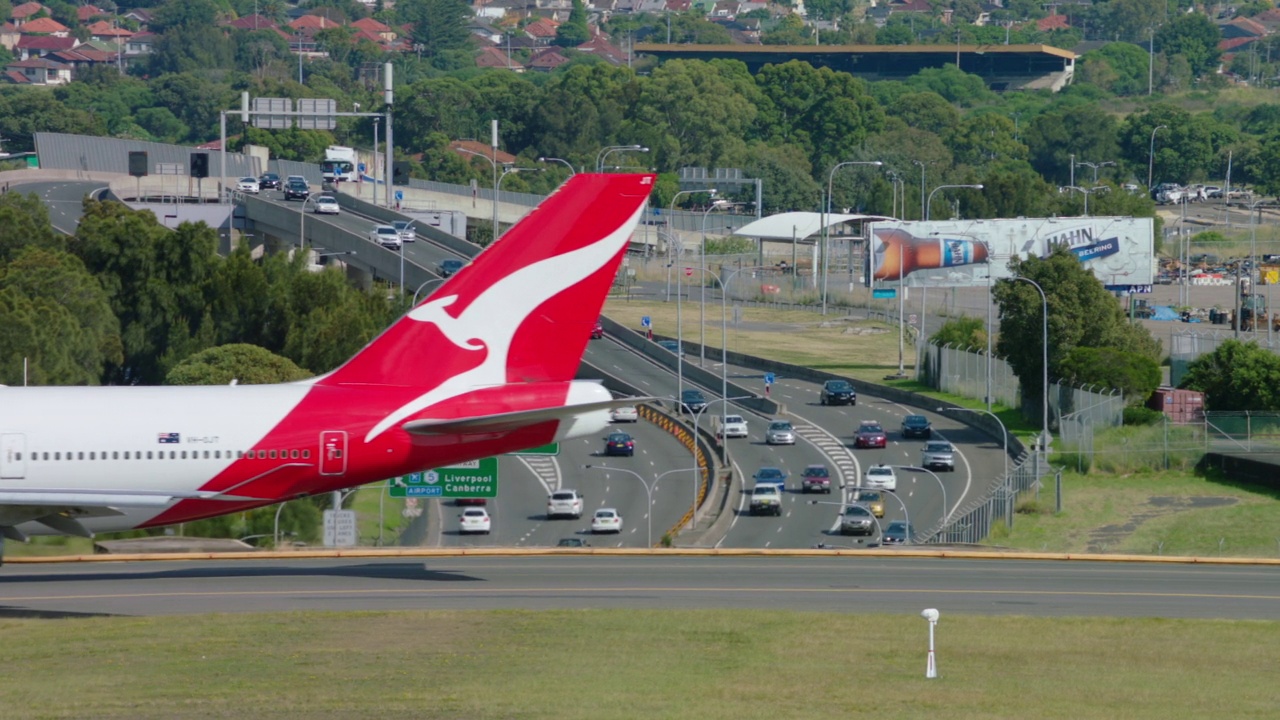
x: 972, y: 523
x: 1168, y: 444
x: 1186, y: 347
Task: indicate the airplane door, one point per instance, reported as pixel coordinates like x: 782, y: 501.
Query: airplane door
x: 13, y: 462
x: 333, y: 452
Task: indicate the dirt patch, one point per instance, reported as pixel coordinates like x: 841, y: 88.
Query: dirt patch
x: 1111, y: 535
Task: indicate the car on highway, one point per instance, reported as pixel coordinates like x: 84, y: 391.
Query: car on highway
x: 606, y: 520
x: 870, y: 434
x: 916, y: 426
x: 815, y: 478
x: 780, y: 432
x: 624, y: 414
x: 572, y: 543
x: 404, y: 229
x: 297, y: 190
x: 564, y: 503
x: 474, y: 520
x: 733, y: 426
x: 386, y: 236
x: 269, y: 181
x: 769, y: 475
x: 670, y: 345
x: 248, y: 185
x: 871, y: 500
x: 692, y: 401
x: 857, y: 520
x: 899, y: 532
x: 597, y: 330
x: 619, y: 443
x: 938, y: 455
x: 327, y: 205
x: 449, y: 266
x: 881, y: 477
x: 838, y: 392
x: 765, y: 500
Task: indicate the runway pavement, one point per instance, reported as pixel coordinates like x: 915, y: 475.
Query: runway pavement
x: 835, y: 584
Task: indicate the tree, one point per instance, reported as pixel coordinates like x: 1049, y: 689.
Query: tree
x: 23, y: 113
x: 575, y: 31
x: 1194, y: 37
x: 962, y: 332
x: 1085, y: 131
x: 24, y: 222
x: 244, y: 364
x: 1236, y: 376
x: 1132, y: 374
x: 1118, y: 67
x: 438, y: 25
x: 983, y: 139
x: 1081, y: 314
x: 925, y: 111
x: 829, y: 113
x: 696, y: 113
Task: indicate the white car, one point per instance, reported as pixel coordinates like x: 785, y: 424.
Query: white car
x: 474, y: 520
x: 404, y: 227
x: 327, y: 205
x: 624, y: 414
x: 248, y: 185
x: 780, y: 432
x: 881, y: 477
x: 564, y: 503
x: 733, y: 426
x: 386, y: 236
x: 606, y: 520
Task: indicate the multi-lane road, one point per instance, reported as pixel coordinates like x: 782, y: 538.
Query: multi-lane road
x: 824, y: 437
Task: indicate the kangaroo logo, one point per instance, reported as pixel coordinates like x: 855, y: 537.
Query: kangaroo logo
x: 490, y: 322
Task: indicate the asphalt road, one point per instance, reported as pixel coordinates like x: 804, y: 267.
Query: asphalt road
x: 63, y: 198
x: 835, y: 584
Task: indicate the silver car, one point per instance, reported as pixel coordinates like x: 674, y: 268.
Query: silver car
x: 857, y: 520
x: 780, y: 432
x: 405, y: 230
x: 938, y: 455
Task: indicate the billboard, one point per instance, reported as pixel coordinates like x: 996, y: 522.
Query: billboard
x: 959, y: 253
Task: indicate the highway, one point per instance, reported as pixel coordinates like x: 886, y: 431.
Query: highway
x: 810, y: 584
x: 824, y: 436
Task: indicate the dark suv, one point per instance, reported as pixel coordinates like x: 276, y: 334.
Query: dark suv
x: 838, y: 392
x: 916, y: 426
x: 269, y: 180
x: 692, y: 401
x: 296, y: 189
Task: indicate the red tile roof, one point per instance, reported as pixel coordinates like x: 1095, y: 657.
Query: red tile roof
x: 253, y: 22
x: 26, y: 10
x: 492, y: 57
x: 313, y: 22
x: 38, y: 63
x: 602, y: 48
x: 15, y: 76
x: 548, y: 59
x: 87, y: 12
x: 1053, y: 22
x: 1233, y: 43
x: 371, y: 25
x: 480, y: 148
x: 102, y: 28
x: 44, y: 25
x: 1250, y: 26
x: 83, y: 55
x: 46, y: 42
x: 542, y: 28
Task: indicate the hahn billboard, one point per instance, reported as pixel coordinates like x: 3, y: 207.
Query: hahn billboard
x: 958, y: 253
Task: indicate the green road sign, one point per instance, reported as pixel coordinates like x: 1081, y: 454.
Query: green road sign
x: 475, y: 479
x: 552, y: 449
x: 884, y: 293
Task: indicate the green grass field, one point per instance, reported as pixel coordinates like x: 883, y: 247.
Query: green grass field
x: 568, y: 665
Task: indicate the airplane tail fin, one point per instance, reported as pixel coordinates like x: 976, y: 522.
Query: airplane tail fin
x: 523, y: 310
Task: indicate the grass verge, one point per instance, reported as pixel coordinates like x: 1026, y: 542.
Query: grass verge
x: 634, y: 664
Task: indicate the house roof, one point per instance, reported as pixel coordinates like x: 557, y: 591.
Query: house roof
x: 38, y: 63
x: 602, y: 48
x: 143, y: 36
x: 15, y: 76
x: 492, y: 57
x: 87, y: 12
x: 9, y: 27
x: 142, y: 15
x: 44, y: 25
x: 1053, y: 22
x: 1233, y: 43
x: 1249, y: 26
x: 102, y: 28
x: 542, y: 28
x: 83, y: 54
x: 313, y: 22
x: 26, y: 10
x: 548, y: 59
x: 481, y: 149
x: 253, y: 22
x: 46, y: 42
x: 363, y: 34
x: 371, y: 25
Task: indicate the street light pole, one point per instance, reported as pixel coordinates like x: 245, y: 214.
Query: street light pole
x: 494, y: 162
x: 648, y: 488
x: 605, y: 152
x: 702, y: 251
x: 562, y: 161
x: 679, y: 293
x: 507, y: 170
x: 428, y: 282
x: 928, y: 213
x: 946, y: 511
x: 826, y: 220
x: 1151, y: 154
x: 904, y: 200
x: 1002, y: 429
x: 697, y: 449
x: 1044, y: 359
x: 1095, y: 166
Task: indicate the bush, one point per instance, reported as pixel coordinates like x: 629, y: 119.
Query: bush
x: 1142, y: 416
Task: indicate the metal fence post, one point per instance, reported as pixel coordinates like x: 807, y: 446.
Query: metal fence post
x: 1057, y: 482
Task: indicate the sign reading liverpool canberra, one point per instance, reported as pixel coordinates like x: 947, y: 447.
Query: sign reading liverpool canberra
x: 1118, y: 250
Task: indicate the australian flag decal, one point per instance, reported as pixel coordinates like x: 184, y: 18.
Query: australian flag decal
x: 169, y: 438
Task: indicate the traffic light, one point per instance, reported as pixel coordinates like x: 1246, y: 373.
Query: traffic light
x: 200, y: 165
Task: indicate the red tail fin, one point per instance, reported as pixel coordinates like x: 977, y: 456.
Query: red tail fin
x: 522, y: 311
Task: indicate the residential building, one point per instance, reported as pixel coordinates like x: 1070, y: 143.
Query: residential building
x: 38, y: 71
x: 547, y: 59
x: 479, y: 148
x: 9, y: 36
x: 85, y: 13
x: 36, y: 46
x: 24, y: 12
x: 103, y: 30
x: 381, y: 32
x: 45, y: 26
x: 492, y: 57
x: 542, y: 31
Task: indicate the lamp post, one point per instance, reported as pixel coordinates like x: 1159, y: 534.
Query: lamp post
x: 302, y: 219
x: 826, y: 220
x: 702, y: 251
x: 506, y: 170
x: 1095, y: 167
x: 1087, y: 192
x: 904, y: 198
x: 648, y: 488
x: 605, y: 152
x: 1044, y: 359
x: 406, y: 227
x: 562, y: 161
x: 494, y: 163
x: 928, y: 212
x: 697, y: 450
x: 679, y: 292
x: 1002, y: 429
x: 724, y: 328
x: 1151, y: 154
x: 946, y: 511
x: 428, y: 282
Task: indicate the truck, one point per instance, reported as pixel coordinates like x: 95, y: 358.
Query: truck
x: 339, y: 164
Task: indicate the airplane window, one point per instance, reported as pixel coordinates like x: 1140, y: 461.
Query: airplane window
x: 46, y: 456
x: 148, y: 454
x: 57, y: 456
x: 17, y: 456
x: 262, y: 454
x: 206, y: 454
x: 126, y: 454
x: 81, y: 456
x: 293, y: 454
x: 306, y: 454
x: 173, y: 455
x: 91, y: 456
x: 272, y: 454
x: 115, y: 454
